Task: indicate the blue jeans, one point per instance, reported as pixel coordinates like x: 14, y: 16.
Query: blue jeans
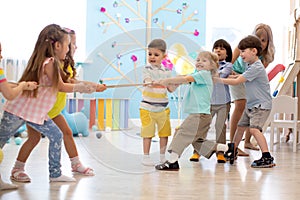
x: 11, y: 123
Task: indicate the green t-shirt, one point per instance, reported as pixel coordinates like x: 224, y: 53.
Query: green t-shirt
x: 198, y: 96
x: 239, y: 66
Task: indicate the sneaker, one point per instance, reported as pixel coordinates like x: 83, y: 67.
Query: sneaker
x: 167, y: 166
x: 231, y: 154
x: 147, y: 161
x: 63, y: 178
x: 7, y: 186
x: 263, y: 163
x: 195, y: 157
x: 220, y: 157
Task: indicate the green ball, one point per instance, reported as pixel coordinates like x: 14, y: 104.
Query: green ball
x: 18, y: 140
x: 94, y: 127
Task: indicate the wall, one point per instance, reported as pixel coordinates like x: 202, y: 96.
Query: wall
x: 22, y: 21
x: 20, y: 28
x: 118, y: 31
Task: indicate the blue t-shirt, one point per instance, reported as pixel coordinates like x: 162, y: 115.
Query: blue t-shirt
x: 198, y: 96
x: 221, y: 94
x: 257, y: 86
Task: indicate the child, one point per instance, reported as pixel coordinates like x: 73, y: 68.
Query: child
x: 68, y: 73
x: 153, y: 108
x: 259, y: 100
x: 220, y: 102
x: 10, y: 92
x: 32, y: 107
x: 238, y: 95
x: 194, y: 128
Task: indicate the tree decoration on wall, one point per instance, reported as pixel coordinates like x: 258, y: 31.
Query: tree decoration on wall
x: 124, y: 28
x: 122, y: 14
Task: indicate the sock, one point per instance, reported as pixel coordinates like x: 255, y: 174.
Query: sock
x: 266, y: 155
x: 146, y: 157
x: 147, y: 161
x: 222, y: 147
x: 162, y: 157
x: 173, y: 157
x: 19, y: 165
x: 77, y: 165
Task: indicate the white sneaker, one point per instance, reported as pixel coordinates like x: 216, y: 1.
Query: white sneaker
x: 63, y: 178
x: 162, y: 160
x: 147, y: 161
x: 7, y: 186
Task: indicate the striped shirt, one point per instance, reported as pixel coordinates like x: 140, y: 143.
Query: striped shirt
x: 155, y: 99
x: 2, y: 76
x: 34, y: 110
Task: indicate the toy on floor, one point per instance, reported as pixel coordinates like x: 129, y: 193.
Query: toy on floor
x: 24, y: 134
x: 98, y: 135
x: 78, y: 122
x: 18, y: 140
x: 20, y: 130
x: 94, y: 128
x: 108, y: 129
x: 1, y: 155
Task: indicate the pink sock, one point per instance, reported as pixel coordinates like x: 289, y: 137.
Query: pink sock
x: 77, y: 165
x: 19, y: 165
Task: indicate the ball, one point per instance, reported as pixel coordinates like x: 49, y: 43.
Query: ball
x: 18, y: 140
x: 24, y: 134
x: 281, y: 79
x: 94, y: 127
x: 1, y: 155
x: 98, y: 135
x: 108, y: 129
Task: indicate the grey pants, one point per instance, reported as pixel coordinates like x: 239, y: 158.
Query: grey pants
x: 221, y: 112
x: 11, y: 123
x: 193, y: 130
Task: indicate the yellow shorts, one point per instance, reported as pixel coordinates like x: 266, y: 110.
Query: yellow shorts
x: 152, y: 120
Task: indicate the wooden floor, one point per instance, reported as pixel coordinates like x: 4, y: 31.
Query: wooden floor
x: 116, y: 159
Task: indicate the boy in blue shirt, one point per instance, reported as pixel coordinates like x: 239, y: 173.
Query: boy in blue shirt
x: 259, y: 100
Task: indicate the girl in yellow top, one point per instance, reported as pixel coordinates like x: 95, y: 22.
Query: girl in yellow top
x: 68, y: 73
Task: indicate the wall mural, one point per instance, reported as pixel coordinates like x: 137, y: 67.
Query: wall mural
x: 117, y: 36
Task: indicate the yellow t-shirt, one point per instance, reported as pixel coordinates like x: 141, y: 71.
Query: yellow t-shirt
x: 61, y: 100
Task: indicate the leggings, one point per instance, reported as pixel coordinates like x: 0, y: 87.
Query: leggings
x: 11, y: 123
